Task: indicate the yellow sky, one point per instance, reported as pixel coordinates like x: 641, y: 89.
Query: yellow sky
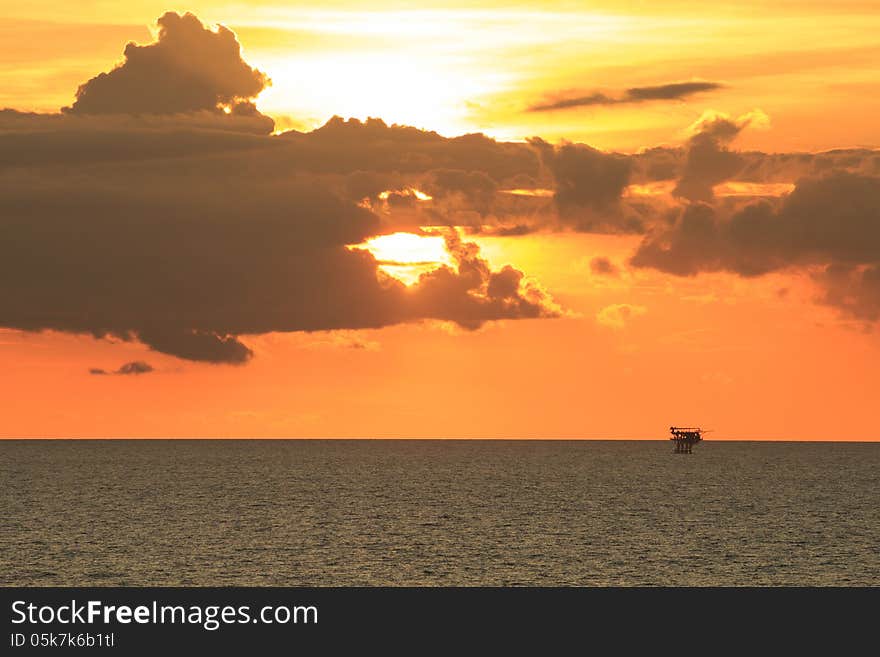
x: 461, y: 67
x: 749, y: 357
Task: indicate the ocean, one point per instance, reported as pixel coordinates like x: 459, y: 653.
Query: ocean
x: 401, y: 513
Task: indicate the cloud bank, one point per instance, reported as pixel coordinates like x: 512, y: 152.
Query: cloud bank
x: 829, y: 225
x: 145, y: 212
x: 161, y: 208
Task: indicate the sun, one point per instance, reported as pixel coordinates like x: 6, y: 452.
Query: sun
x: 406, y: 256
x: 421, y: 90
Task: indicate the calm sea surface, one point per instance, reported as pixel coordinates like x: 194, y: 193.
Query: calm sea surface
x: 437, y: 513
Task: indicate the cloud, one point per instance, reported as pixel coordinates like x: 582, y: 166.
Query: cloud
x: 463, y: 175
x: 618, y: 315
x: 602, y: 266
x: 195, y: 344
x: 186, y: 256
x: 472, y: 293
x: 691, y: 245
x: 462, y: 189
x: 342, y: 340
x: 586, y: 177
x: 190, y: 68
x: 133, y: 368
x: 347, y: 146
x: 65, y: 140
x: 145, y: 212
x: 832, y: 222
x: 589, y: 186
x: 709, y: 160
x: 855, y: 290
x: 671, y: 91
x: 667, y: 163
x: 154, y: 215
x: 190, y: 250
x: 824, y: 220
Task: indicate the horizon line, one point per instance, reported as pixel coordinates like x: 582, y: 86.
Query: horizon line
x: 420, y: 439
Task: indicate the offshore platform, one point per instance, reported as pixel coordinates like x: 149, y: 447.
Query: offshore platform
x: 685, y: 438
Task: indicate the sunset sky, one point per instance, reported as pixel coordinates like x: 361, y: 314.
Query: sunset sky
x: 548, y: 220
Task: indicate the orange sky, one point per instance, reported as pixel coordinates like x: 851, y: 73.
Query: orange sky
x: 630, y: 351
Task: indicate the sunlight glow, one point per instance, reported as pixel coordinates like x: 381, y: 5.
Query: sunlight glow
x: 536, y: 192
x: 734, y: 188
x: 406, y: 256
x: 409, y: 191
x: 427, y: 90
x: 730, y: 188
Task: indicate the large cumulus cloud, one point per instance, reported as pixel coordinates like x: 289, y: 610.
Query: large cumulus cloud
x: 187, y: 253
x: 147, y: 213
x: 189, y: 68
x: 831, y: 222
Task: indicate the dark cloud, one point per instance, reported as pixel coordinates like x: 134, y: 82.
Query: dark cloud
x: 602, y: 266
x: 788, y: 167
x: 190, y: 68
x: 133, y: 368
x: 473, y: 294
x: 833, y: 221
x: 836, y: 218
x: 58, y: 140
x: 659, y: 163
x: 586, y: 177
x: 691, y: 245
x: 463, y: 175
x: 589, y: 185
x: 474, y: 189
x: 709, y: 161
x: 202, y: 345
x: 595, y: 98
x: 671, y: 91
x: 853, y: 289
x: 187, y: 255
x: 187, y: 250
x: 516, y: 230
x: 667, y: 163
x: 347, y: 146
x: 190, y: 229
x: 360, y: 185
x: 185, y: 227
